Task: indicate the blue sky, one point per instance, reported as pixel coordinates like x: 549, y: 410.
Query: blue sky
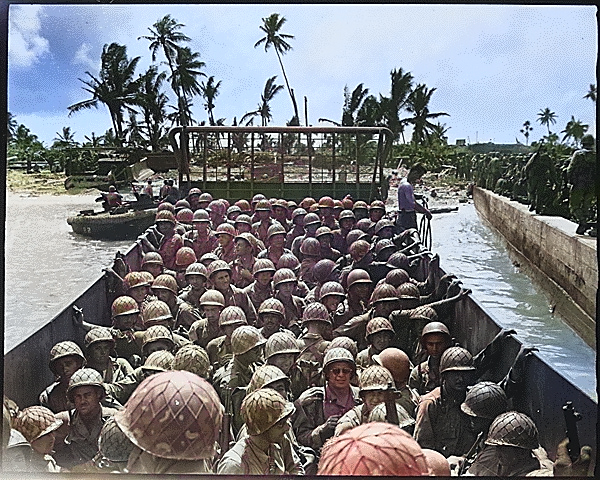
x: 493, y: 66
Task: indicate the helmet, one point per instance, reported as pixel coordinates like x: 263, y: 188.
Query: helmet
x: 280, y: 202
x: 243, y: 218
x: 85, y: 377
x: 234, y: 209
x: 347, y: 202
x: 155, y: 311
x: 264, y: 376
x: 275, y: 229
x: 359, y: 249
x: 135, y: 279
x: 147, y: 277
x: 307, y: 202
x: 358, y: 275
x: 298, y: 212
x: 205, y: 197
x: 165, y: 216
x: 291, y: 205
x: 379, y: 324
x: 485, y: 400
x: 383, y: 244
x: 161, y: 361
x: 208, y: 256
x: 249, y: 239
x: 343, y: 342
x: 456, y: 358
x: 225, y: 228
x: 264, y: 408
x: 155, y: 333
x: 359, y: 204
x: 331, y: 288
x: 272, y: 305
x: 124, y: 306
x: 424, y: 312
x: 288, y: 260
x: 218, y: 207
x: 377, y: 205
x: 192, y: 358
x: 379, y: 414
x: 35, y: 422
x: 166, y: 282
x: 383, y: 293
x: 408, y: 290
x: 397, y: 362
x: 212, y: 297
x: 64, y: 349
x: 346, y: 214
x: 323, y: 269
x: 316, y: 312
x: 398, y: 260
x: 375, y: 377
x: 338, y: 354
x: 152, y: 257
x: 514, y: 429
x: 244, y: 205
x: 310, y: 219
x: 232, y: 316
x: 113, y: 444
x: 201, y: 216
x: 281, y: 342
x: 165, y: 206
x: 396, y: 277
x: 364, y: 224
x: 321, y: 231
x: 185, y: 215
x: 98, y: 334
x: 435, y: 327
x: 263, y: 205
x: 383, y: 223
x: 218, y: 266
x: 354, y: 235
x: 373, y: 449
x: 283, y: 275
x: 245, y: 338
x: 174, y: 415
x: 196, y: 269
x: 181, y: 204
x: 338, y: 205
x: 263, y: 265
x: 326, y: 202
x: 256, y: 198
x: 194, y: 191
x: 184, y: 257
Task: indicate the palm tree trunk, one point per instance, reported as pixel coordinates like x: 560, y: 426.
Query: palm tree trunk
x: 288, y: 86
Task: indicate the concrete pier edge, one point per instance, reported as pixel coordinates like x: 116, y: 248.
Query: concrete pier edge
x: 547, y: 249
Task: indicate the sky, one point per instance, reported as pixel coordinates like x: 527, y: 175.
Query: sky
x: 493, y: 66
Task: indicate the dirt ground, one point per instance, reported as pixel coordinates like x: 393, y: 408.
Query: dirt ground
x: 42, y: 183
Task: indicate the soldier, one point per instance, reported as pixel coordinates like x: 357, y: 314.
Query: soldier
x: 125, y: 315
x: 187, y: 443
x: 311, y: 223
x: 372, y: 450
x: 262, y: 212
x: 201, y: 238
x: 113, y: 449
x: 284, y: 284
x: 582, y: 177
x: 243, y: 264
x: 360, y: 210
x: 170, y: 241
x: 219, y: 274
x: 332, y: 295
x: 282, y: 350
x: 280, y: 214
x: 225, y: 234
x: 326, y: 207
x: 219, y: 349
x: 195, y: 276
x: 164, y: 288
x: 192, y: 358
x: 65, y: 359
x: 539, y: 173
x: 204, y: 199
x: 298, y: 215
x: 275, y: 242
x: 346, y: 222
x: 157, y: 313
x: 270, y: 315
x: 184, y: 258
x: 325, y: 237
x: 435, y: 339
x: 310, y: 253
x: 379, y: 335
x: 216, y: 211
x: 376, y: 211
x: 207, y: 329
x: 80, y: 429
x: 398, y: 363
x: 38, y: 425
x: 137, y: 286
x: 99, y: 344
x: 324, y: 406
x: 359, y: 288
x: 260, y: 289
x: 441, y: 424
x: 374, y: 385
x: 153, y: 263
x: 407, y: 206
x: 243, y: 224
x: 266, y: 415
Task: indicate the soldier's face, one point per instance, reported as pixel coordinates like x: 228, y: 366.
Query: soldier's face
x: 339, y: 375
x: 99, y: 352
x: 283, y: 361
x: 435, y: 344
x: 125, y: 322
x: 263, y: 215
x: 271, y: 321
x: 264, y: 278
x: 86, y: 400
x: 224, y: 239
x: 277, y: 241
x: 242, y: 227
x: 346, y: 223
x: 67, y: 366
x: 286, y: 289
x: 331, y: 302
x: 381, y: 340
x: 276, y: 433
x: 373, y: 398
x: 279, y: 387
x: 212, y: 312
x: 155, y: 346
x: 242, y: 247
x: 45, y: 444
x: 457, y: 380
x: 163, y: 294
x: 361, y: 291
x: 154, y: 268
x: 201, y: 227
x: 221, y: 280
x: 196, y: 281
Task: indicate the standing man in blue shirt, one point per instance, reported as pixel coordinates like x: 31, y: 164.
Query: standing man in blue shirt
x: 407, y: 206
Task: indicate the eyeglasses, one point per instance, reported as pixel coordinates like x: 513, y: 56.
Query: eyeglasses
x: 339, y: 371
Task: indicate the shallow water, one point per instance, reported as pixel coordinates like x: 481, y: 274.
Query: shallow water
x: 478, y: 256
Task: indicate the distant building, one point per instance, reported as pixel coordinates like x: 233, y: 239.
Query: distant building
x: 461, y: 142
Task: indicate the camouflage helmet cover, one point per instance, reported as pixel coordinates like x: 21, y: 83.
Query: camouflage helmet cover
x: 113, y: 444
x: 246, y: 338
x: 98, y: 334
x: 85, y: 377
x: 338, y: 354
x: 316, y: 312
x: 124, y: 305
x: 375, y: 377
x: 264, y: 376
x: 232, y: 315
x: 343, y: 342
x: 263, y: 408
x: 212, y: 297
x: 379, y: 414
x: 64, y: 349
x: 272, y: 305
x: 485, y: 400
x: 456, y: 358
x: 155, y: 333
x: 378, y: 324
x: 192, y: 358
x: 155, y: 311
x: 513, y: 429
x: 281, y: 342
x: 166, y: 281
x: 35, y: 422
x: 160, y: 360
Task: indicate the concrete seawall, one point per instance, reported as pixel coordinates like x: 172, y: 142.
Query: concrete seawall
x: 565, y: 263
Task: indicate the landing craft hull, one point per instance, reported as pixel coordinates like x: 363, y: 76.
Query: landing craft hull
x: 113, y: 227
x: 26, y: 373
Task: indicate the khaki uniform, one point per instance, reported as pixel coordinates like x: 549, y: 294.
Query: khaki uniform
x: 237, y: 297
x: 127, y: 342
x: 117, y: 370
x: 202, y: 332
x: 231, y: 381
x: 142, y: 462
x: 364, y: 358
x: 122, y: 389
x: 424, y: 377
x: 312, y: 351
x: 258, y: 294
x: 54, y: 397
x: 293, y: 313
x: 219, y: 352
x: 186, y: 315
x: 356, y: 328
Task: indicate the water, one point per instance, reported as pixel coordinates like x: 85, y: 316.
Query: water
x: 478, y: 256
x: 47, y: 266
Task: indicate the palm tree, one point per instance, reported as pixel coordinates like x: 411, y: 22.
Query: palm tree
x: 271, y: 26
x: 264, y: 109
x: 210, y: 90
x: 525, y: 130
x: 185, y: 80
x: 11, y: 126
x: 547, y: 117
x: 418, y: 104
x: 575, y: 130
x: 65, y: 139
x: 392, y: 106
x: 93, y: 140
x: 152, y: 103
x: 115, y: 86
x: 166, y: 36
x: 591, y: 94
x: 352, y: 104
x: 370, y: 113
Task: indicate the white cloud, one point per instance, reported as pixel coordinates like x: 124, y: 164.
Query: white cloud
x: 25, y: 44
x: 83, y: 57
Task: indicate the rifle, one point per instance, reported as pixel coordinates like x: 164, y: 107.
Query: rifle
x: 224, y: 437
x: 391, y: 414
x: 470, y: 456
x: 571, y: 419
